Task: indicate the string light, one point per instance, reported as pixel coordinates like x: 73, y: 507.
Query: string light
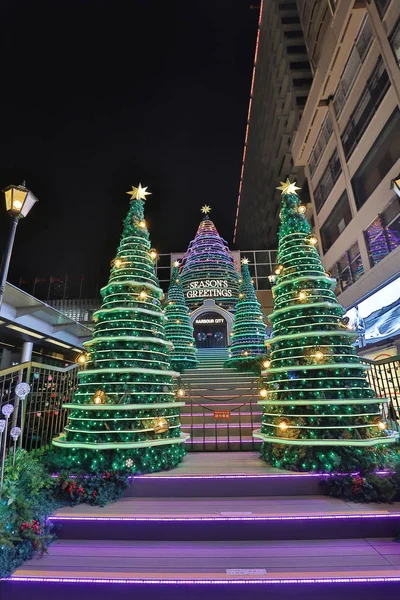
x: 267, y: 363
x: 181, y: 392
x: 302, y: 295
x: 118, y: 263
x: 263, y: 393
x: 278, y: 269
x: 313, y: 240
x: 382, y: 425
x: 81, y: 359
x: 319, y: 355
x: 99, y: 397
x: 283, y: 425
x: 153, y: 254
x: 142, y: 224
x: 301, y: 209
x: 143, y: 295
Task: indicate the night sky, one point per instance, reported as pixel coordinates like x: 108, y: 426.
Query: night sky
x: 98, y: 95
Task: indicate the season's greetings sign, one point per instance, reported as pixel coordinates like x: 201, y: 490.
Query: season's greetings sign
x: 209, y: 288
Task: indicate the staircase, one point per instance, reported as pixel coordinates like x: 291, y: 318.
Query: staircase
x: 212, y: 388
x: 205, y: 531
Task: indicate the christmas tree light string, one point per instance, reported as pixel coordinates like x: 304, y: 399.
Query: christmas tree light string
x: 125, y: 412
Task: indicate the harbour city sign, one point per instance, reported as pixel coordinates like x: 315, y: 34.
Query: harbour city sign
x: 209, y: 288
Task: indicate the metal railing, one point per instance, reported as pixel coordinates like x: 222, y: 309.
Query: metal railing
x: 40, y: 415
x: 384, y: 378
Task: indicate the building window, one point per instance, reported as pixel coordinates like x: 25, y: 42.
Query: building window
x: 383, y: 235
x: 395, y: 42
x: 382, y: 5
x: 379, y: 160
x: 372, y: 96
x: 337, y: 222
x: 327, y: 181
x: 353, y: 65
x: 321, y: 143
x: 349, y: 268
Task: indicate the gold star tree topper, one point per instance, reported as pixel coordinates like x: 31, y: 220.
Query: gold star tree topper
x: 288, y: 188
x: 205, y: 209
x: 138, y: 193
x: 245, y: 261
x: 176, y: 263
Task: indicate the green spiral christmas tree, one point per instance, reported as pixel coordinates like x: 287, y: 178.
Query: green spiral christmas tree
x: 248, y: 339
x: 319, y: 411
x: 124, y: 414
x: 178, y: 329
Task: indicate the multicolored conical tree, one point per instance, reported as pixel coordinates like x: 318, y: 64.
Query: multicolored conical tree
x: 208, y: 270
x: 319, y: 411
x: 248, y: 339
x: 178, y: 328
x: 124, y: 414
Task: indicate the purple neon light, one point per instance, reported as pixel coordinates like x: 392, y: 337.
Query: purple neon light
x: 280, y: 518
x: 240, y: 476
x: 160, y: 581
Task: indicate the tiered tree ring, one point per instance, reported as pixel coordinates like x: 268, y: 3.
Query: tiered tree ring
x: 125, y: 412
x: 319, y: 411
x: 208, y: 270
x: 249, y: 334
x: 178, y: 328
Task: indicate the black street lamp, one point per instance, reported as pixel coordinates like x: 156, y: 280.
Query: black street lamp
x: 19, y: 202
x: 396, y: 185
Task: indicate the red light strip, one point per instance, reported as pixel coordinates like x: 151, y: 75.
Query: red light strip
x: 248, y: 120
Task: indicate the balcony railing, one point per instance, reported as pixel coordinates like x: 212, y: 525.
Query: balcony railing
x: 40, y: 415
x: 384, y: 377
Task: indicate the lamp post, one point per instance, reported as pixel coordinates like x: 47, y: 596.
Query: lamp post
x: 19, y: 201
x: 396, y: 185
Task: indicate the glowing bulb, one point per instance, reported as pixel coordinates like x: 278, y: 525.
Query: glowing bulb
x: 319, y: 355
x: 153, y: 254
x: 181, y: 392
x: 143, y: 295
x: 283, y: 425
x: 142, y: 224
x: 301, y: 209
x: 99, y: 397
x: 177, y: 321
x: 382, y: 425
x: 245, y: 353
x: 302, y: 295
x: 267, y: 363
x: 81, y: 359
x: 17, y: 204
x: 278, y: 270
x: 327, y: 274
x: 263, y: 393
x: 313, y: 240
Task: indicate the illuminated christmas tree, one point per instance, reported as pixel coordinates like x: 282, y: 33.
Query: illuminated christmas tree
x: 124, y: 413
x: 248, y: 339
x: 319, y: 411
x: 178, y: 329
x: 207, y: 268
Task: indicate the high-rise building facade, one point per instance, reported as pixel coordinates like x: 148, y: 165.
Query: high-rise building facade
x: 348, y: 140
x: 281, y: 82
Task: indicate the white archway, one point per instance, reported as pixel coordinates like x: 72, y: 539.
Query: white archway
x: 209, y: 305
